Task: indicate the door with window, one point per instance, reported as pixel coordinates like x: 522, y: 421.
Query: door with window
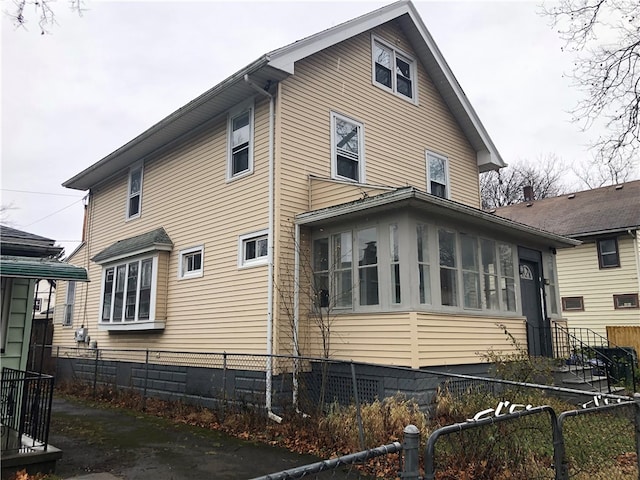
x: 538, y: 324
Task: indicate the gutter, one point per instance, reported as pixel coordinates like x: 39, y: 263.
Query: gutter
x: 270, y: 280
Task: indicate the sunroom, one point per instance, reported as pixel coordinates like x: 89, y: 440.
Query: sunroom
x: 408, y: 278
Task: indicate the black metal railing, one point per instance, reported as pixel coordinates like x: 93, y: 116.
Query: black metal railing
x: 25, y: 409
x: 593, y: 357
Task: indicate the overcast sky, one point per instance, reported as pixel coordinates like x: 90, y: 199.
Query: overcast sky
x: 73, y: 96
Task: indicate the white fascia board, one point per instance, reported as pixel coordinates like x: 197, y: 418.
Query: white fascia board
x: 491, y: 156
x: 284, y: 58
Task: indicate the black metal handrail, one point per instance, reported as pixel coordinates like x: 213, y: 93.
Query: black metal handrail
x: 588, y: 353
x: 25, y: 410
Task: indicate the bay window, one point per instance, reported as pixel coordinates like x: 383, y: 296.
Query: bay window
x: 127, y: 291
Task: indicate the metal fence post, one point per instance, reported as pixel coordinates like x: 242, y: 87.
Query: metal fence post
x: 636, y: 398
x: 358, y: 413
x: 224, y: 383
x: 95, y: 373
x: 411, y: 447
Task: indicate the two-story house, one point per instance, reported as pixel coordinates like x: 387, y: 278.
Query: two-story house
x: 600, y: 279
x: 336, y: 177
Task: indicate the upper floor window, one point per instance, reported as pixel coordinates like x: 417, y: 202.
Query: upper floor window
x: 134, y: 198
x: 347, y: 148
x: 128, y: 291
x: 608, y: 255
x: 253, y: 249
x: 573, y: 303
x: 629, y: 300
x: 240, y: 132
x: 190, y: 265
x: 437, y: 175
x: 393, y: 70
x: 70, y: 300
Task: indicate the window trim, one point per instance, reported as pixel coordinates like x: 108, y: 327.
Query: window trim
x: 395, y: 53
x: 575, y: 297
x: 231, y: 115
x: 617, y: 253
x: 617, y: 297
x: 361, y: 149
x: 6, y: 289
x: 445, y: 159
x: 132, y: 169
x: 254, y: 262
x: 182, y: 274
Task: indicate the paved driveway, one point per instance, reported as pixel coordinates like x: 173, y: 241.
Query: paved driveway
x: 131, y: 445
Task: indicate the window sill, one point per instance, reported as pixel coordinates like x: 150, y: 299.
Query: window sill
x: 131, y: 326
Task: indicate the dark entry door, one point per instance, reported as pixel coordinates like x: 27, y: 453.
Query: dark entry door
x: 538, y: 327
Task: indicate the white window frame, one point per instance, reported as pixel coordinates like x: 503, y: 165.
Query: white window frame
x: 243, y: 240
x: 334, y: 150
x: 183, y: 273
x: 69, y: 302
x: 136, y: 323
x: 395, y: 54
x: 447, y: 187
x: 233, y: 114
x: 132, y: 170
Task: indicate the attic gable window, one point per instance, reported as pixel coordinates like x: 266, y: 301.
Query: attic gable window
x: 134, y: 198
x: 240, y: 148
x: 347, y: 148
x: 393, y: 70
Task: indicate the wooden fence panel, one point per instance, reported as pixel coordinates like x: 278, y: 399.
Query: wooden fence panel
x: 624, y: 337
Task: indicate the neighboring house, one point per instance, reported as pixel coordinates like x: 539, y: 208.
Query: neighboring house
x: 44, y: 299
x: 356, y: 145
x: 25, y: 260
x: 600, y: 279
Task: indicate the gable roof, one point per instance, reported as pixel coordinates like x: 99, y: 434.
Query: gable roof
x: 278, y: 65
x: 602, y: 210
x: 412, y: 198
x: 147, y: 242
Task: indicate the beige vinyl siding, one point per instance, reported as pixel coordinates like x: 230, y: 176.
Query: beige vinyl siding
x: 416, y: 339
x: 445, y: 339
x: 580, y: 276
x: 326, y: 192
x: 185, y: 191
x: 19, y: 322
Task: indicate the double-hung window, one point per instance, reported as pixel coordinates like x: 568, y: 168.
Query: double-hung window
x: 240, y: 139
x: 393, y: 70
x: 253, y: 249
x: 608, y: 256
x: 437, y: 175
x: 69, y: 302
x: 191, y: 263
x: 347, y: 149
x: 127, y: 291
x: 134, y: 198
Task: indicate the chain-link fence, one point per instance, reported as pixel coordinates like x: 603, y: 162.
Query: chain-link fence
x: 299, y: 386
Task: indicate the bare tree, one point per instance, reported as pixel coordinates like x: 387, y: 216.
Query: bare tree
x: 506, y: 186
x: 595, y: 174
x: 4, y: 213
x: 40, y: 10
x: 604, y: 35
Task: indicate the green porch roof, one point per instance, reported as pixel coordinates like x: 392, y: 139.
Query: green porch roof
x: 40, y: 268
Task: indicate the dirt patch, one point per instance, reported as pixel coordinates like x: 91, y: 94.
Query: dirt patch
x: 132, y: 445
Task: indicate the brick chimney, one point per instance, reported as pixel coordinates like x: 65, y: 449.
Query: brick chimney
x: 528, y: 193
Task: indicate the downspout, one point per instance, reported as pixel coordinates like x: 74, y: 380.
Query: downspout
x: 270, y: 286
x: 636, y: 248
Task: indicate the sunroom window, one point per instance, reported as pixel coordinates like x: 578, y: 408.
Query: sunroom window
x: 368, y: 266
x: 470, y: 272
x: 424, y: 276
x: 448, y: 268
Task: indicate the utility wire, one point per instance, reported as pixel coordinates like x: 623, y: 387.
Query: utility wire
x: 52, y: 214
x: 40, y: 193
